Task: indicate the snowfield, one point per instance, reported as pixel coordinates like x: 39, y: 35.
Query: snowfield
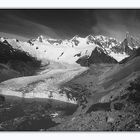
x: 41, y: 86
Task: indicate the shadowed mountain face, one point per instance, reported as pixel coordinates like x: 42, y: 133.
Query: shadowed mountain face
x: 97, y: 57
x: 9, y: 53
x: 133, y: 55
x: 18, y: 60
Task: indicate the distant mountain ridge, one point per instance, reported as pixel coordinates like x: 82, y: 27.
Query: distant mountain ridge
x: 74, y: 50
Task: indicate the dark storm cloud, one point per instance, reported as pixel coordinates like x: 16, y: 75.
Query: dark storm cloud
x: 65, y: 23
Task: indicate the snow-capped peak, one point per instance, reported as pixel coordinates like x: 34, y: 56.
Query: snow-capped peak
x: 2, y: 39
x: 75, y: 37
x: 40, y: 38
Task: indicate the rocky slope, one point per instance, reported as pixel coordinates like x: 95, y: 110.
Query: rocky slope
x: 111, y: 101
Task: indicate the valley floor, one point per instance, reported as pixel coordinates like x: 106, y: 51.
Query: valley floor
x: 100, y: 98
x: 33, y: 102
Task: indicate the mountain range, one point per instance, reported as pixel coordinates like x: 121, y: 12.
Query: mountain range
x: 73, y: 50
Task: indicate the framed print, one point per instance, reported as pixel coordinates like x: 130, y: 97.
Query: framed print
x: 73, y: 69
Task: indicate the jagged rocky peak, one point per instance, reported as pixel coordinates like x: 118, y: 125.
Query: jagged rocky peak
x: 100, y: 37
x: 40, y: 38
x: 90, y: 39
x: 55, y: 41
x: 75, y: 37
x: 105, y: 38
x: 5, y: 42
x: 46, y: 40
x: 130, y: 43
x: 75, y: 40
x: 2, y: 39
x: 106, y: 42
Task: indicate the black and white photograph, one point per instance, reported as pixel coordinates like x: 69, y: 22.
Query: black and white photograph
x: 69, y: 69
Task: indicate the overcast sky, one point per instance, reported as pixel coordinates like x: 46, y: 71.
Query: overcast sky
x: 26, y: 24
